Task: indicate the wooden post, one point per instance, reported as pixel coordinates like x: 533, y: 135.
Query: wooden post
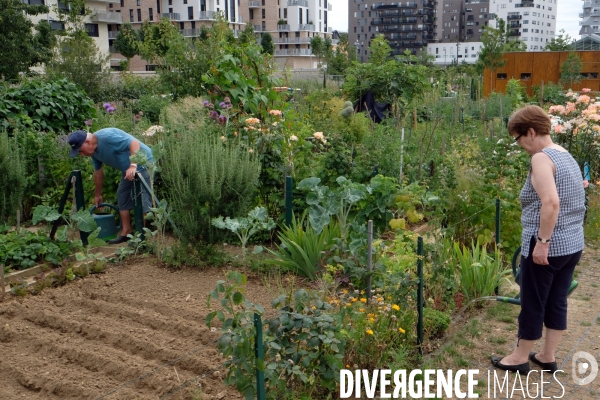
x: 2, y: 281
x: 18, y: 220
x: 415, y: 117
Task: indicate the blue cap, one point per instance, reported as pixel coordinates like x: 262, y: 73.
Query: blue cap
x: 76, y: 140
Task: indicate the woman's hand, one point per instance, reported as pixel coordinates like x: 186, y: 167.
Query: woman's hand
x: 540, y: 253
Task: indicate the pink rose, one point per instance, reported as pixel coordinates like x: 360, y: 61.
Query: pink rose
x: 586, y: 183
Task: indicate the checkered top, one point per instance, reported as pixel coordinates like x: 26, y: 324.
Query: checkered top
x: 567, y: 237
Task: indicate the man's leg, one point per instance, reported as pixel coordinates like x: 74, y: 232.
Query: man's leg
x: 125, y: 222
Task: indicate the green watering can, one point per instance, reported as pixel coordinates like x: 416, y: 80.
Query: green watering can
x: 106, y: 222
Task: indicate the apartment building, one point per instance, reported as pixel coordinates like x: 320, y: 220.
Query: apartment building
x: 189, y: 16
x: 532, y: 21
x: 96, y: 23
x: 461, y: 20
x: 590, y: 18
x: 292, y: 24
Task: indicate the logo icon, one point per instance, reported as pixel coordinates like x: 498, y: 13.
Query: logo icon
x: 584, y: 363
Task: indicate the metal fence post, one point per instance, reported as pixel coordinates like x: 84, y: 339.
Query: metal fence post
x: 289, y: 197
x: 369, y: 257
x: 138, y: 208
x: 420, y: 294
x: 260, y: 355
x: 79, y: 201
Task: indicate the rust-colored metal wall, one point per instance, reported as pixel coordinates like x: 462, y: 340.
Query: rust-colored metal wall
x: 544, y: 66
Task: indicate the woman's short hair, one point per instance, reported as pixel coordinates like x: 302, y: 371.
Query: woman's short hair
x: 529, y: 117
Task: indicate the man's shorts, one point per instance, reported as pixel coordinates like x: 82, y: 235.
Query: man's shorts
x: 125, y: 193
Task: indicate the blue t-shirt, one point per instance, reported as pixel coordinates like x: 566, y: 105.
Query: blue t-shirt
x: 113, y: 149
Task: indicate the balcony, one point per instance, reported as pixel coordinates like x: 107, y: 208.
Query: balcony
x: 293, y: 52
x: 386, y: 21
x: 328, y: 7
x: 282, y: 28
x: 207, y: 15
x: 514, y: 33
x: 171, y: 16
x: 293, y: 40
x: 428, y: 4
x: 587, y: 4
x: 306, y: 27
x: 300, y: 3
x: 254, y: 4
x: 238, y: 20
x: 258, y: 28
x: 329, y: 30
x: 514, y: 17
x: 513, y: 25
x: 107, y: 1
x: 112, y: 34
x: 393, y: 5
x: 108, y: 17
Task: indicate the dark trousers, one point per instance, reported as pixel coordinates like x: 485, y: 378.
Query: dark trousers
x: 544, y: 290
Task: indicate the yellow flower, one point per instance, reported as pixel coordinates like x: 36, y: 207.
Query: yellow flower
x: 349, y: 304
x: 370, y: 315
x: 401, y: 330
x: 396, y: 307
x: 380, y: 299
x: 314, y: 307
x: 344, y: 291
x: 361, y: 310
x: 363, y: 300
x: 371, y: 319
x: 370, y: 332
x: 347, y: 366
x: 354, y: 299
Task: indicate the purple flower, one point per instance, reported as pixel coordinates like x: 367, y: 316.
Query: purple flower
x: 211, y: 106
x: 229, y: 105
x: 223, y: 104
x: 88, y: 122
x: 106, y: 105
x: 227, y: 100
x: 110, y: 110
x: 205, y: 103
x: 214, y: 115
x: 222, y: 119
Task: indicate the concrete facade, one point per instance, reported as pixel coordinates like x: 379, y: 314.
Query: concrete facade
x: 452, y: 53
x: 590, y: 18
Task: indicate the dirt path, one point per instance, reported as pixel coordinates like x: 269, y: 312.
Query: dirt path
x: 86, y: 339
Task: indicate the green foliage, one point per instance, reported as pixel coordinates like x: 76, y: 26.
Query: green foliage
x: 12, y: 177
x: 435, y: 322
x: 151, y: 106
x: 479, y: 273
x: 24, y: 249
x: 127, y: 41
x: 206, y: 178
x: 244, y: 228
x: 570, y: 70
x: 303, y: 345
x: 266, y: 42
x: 58, y: 106
x: 342, y: 56
x: 301, y: 250
x: 553, y: 93
x: 517, y: 91
x: 130, y: 86
x: 380, y: 50
x: 561, y: 42
x: 23, y: 44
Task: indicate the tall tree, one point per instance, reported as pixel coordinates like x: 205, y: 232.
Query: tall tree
x: 127, y: 42
x: 22, y: 43
x: 561, y: 42
x: 266, y: 42
x: 490, y: 56
x: 380, y: 50
x: 570, y: 70
x: 342, y: 56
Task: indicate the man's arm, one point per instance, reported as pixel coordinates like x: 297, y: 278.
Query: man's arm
x: 98, y: 182
x: 134, y: 147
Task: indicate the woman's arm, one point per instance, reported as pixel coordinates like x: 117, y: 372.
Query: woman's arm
x: 542, y: 179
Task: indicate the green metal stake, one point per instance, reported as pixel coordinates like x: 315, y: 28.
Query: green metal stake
x: 497, y: 222
x: 138, y: 207
x: 289, y: 196
x: 420, y: 294
x: 80, y: 201
x: 260, y: 355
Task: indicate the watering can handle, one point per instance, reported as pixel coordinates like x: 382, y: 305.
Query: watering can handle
x: 109, y: 206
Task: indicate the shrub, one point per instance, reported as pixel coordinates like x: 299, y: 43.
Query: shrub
x: 12, y: 177
x: 184, y: 115
x: 435, y: 323
x: 207, y: 178
x: 152, y: 106
x: 52, y: 106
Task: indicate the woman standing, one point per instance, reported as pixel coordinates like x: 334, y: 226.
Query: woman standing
x: 553, y: 208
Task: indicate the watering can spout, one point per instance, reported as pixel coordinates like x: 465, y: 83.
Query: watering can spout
x: 106, y: 222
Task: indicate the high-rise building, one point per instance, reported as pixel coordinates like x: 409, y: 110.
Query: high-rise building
x: 407, y: 25
x: 532, y: 21
x: 292, y: 24
x: 590, y: 18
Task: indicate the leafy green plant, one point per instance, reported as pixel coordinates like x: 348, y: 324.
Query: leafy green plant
x: 244, y: 228
x: 55, y: 106
x: 12, y: 177
x: 151, y: 105
x: 303, y: 346
x: 479, y: 273
x: 24, y: 249
x: 302, y: 248
x: 81, y: 220
x: 435, y: 322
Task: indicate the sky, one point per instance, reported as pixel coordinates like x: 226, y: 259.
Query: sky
x: 567, y: 16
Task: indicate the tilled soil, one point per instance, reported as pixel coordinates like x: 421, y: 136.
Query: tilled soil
x: 111, y: 335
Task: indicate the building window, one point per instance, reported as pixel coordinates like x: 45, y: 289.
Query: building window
x: 251, y: 13
x: 150, y: 14
x: 285, y: 13
x: 193, y: 24
x: 190, y: 12
x: 170, y: 2
x: 264, y: 13
x: 122, y: 3
x: 501, y: 76
x: 589, y: 75
x: 525, y: 75
x: 130, y: 15
x: 139, y: 14
x: 57, y: 25
x: 137, y: 3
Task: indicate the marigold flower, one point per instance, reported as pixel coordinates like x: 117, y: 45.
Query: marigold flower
x: 396, y: 307
x: 401, y: 330
x: 361, y: 310
x: 363, y: 300
x: 369, y: 331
